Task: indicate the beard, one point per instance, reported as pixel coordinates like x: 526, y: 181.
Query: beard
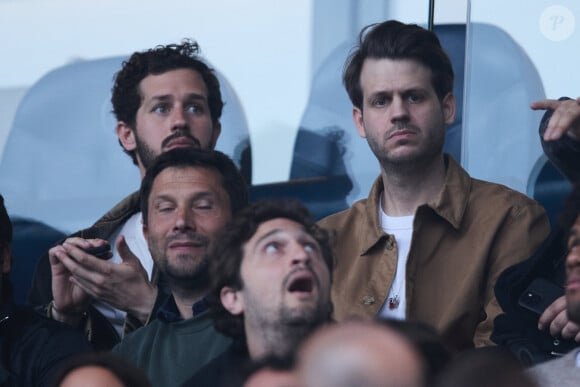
x: 182, y: 271
x: 147, y: 155
x: 429, y: 149
x: 144, y: 152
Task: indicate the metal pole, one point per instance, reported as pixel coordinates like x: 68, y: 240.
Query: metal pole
x: 431, y: 15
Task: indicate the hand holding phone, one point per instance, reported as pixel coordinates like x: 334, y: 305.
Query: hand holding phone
x: 101, y: 252
x: 540, y: 294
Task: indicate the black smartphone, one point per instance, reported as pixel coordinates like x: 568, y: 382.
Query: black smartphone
x: 99, y: 251
x: 540, y: 294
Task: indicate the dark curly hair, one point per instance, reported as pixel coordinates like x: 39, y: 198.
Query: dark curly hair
x: 126, y: 95
x: 395, y: 40
x: 225, y: 257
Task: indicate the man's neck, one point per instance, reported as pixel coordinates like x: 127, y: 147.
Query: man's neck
x: 185, y: 299
x: 280, y: 340
x: 406, y: 187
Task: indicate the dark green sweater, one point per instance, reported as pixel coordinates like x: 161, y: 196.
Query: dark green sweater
x: 172, y: 352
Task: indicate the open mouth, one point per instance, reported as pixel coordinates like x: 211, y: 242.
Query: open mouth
x: 301, y: 284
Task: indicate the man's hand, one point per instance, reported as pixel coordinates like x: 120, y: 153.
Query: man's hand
x: 70, y: 300
x: 565, y: 119
x: 556, y: 319
x: 124, y: 286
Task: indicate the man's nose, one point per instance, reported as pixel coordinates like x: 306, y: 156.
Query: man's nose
x: 399, y: 110
x: 298, y: 253
x: 185, y: 219
x: 178, y: 119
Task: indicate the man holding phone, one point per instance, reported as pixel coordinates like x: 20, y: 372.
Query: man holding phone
x: 163, y: 98
x: 565, y: 371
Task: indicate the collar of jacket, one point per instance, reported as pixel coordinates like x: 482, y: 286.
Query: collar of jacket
x: 449, y: 205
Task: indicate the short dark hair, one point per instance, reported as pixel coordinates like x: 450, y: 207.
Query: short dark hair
x: 127, y: 373
x: 5, y: 225
x: 126, y: 94
x: 571, y: 209
x: 231, y: 179
x: 395, y: 40
x: 225, y: 257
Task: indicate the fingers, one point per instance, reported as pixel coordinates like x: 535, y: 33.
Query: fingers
x: 570, y: 330
x: 545, y: 104
x: 565, y: 119
x: 556, y: 318
x: 552, y: 312
x: 125, y: 252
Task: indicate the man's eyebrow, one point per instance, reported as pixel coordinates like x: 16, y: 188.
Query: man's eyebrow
x: 188, y: 97
x: 301, y: 234
x: 268, y: 234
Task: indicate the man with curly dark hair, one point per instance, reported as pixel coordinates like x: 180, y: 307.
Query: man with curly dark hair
x: 163, y: 98
x: 270, y: 287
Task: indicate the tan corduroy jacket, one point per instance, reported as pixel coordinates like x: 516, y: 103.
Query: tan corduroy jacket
x: 460, y: 245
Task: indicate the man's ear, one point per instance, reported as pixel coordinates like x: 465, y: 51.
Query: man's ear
x: 449, y: 108
x: 232, y: 300
x: 357, y: 117
x: 145, y: 232
x: 126, y: 136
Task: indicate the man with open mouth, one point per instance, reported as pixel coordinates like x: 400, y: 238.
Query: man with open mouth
x: 270, y: 287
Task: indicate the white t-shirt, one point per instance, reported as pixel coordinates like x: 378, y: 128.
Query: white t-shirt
x: 402, y: 228
x: 133, y: 232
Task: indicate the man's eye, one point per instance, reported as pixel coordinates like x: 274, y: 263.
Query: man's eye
x: 161, y: 109
x: 204, y: 207
x: 414, y: 98
x: 379, y: 102
x: 272, y: 247
x: 165, y: 208
x: 310, y: 247
x: 194, y: 109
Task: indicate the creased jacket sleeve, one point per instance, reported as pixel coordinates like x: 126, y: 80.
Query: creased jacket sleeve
x: 523, y: 231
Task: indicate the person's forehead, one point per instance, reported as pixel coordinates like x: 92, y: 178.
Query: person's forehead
x: 408, y: 72
x: 278, y: 226
x: 169, y: 82
x: 194, y: 176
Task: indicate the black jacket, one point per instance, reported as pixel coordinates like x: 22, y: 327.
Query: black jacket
x: 32, y: 347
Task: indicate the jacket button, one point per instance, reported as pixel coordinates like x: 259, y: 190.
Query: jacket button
x: 390, y: 243
x: 368, y: 300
